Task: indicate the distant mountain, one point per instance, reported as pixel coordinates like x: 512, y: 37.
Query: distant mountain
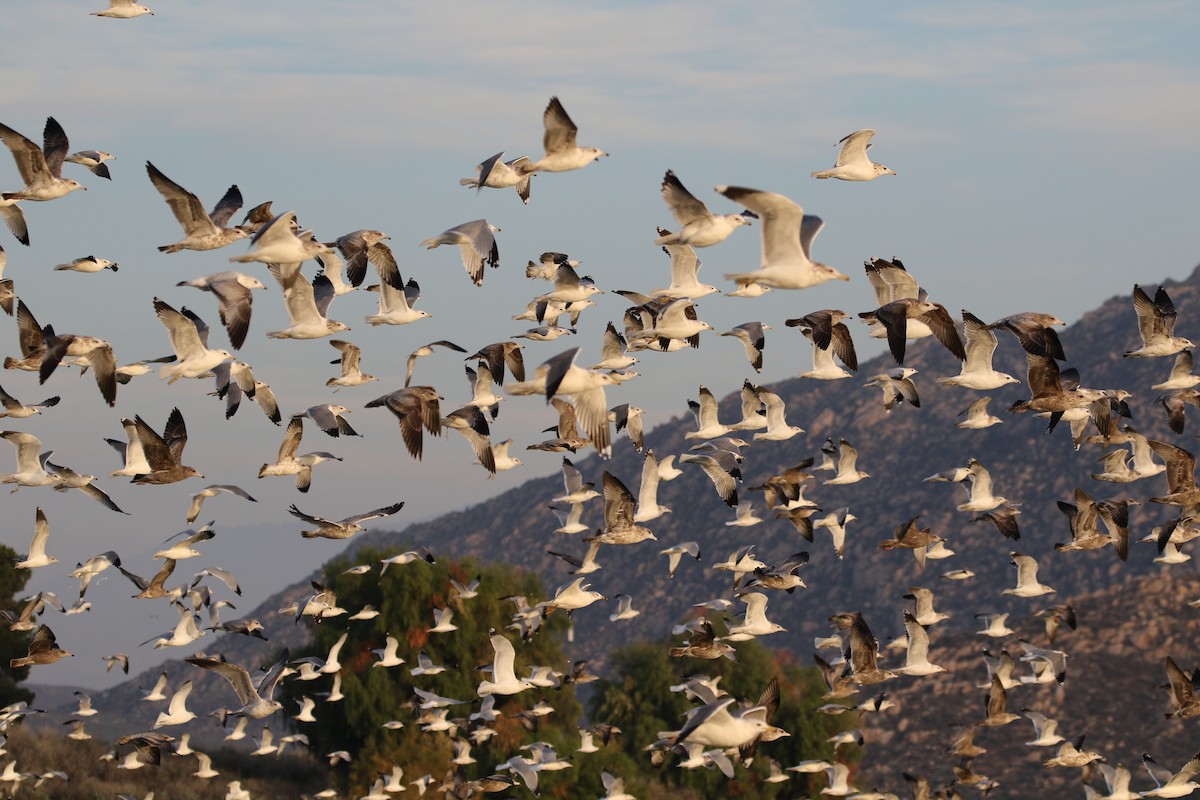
x: 899, y: 449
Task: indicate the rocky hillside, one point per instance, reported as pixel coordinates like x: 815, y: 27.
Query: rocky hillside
x: 1028, y: 465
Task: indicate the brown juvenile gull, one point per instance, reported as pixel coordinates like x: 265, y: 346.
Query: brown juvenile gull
x: 1183, y: 688
x: 894, y: 317
x: 619, y: 525
x: 863, y: 647
x: 562, y: 153
x: 43, y: 649
x: 476, y: 241
x: 416, y: 407
x: 40, y: 167
x: 787, y: 235
x: 164, y: 453
x: 341, y: 529
x: 853, y: 163
x: 87, y: 350
x: 699, y: 226
x: 363, y: 246
x: 203, y: 230
x: 1035, y: 331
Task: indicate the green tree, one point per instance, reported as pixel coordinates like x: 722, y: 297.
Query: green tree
x: 405, y: 596
x: 639, y: 701
x: 12, y: 643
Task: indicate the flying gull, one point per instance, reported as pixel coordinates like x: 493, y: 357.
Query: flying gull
x: 853, y: 164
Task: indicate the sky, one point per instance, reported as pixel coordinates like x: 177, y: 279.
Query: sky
x: 1043, y: 158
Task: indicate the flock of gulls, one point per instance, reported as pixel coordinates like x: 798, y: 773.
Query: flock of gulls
x: 589, y: 410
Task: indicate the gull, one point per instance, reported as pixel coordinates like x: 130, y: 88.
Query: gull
x: 648, y: 507
x: 415, y: 407
x: 387, y: 653
x: 1035, y: 331
x: 715, y: 725
x: 1181, y: 373
x: 157, y: 692
x: 164, y: 453
x: 122, y: 9
x: 425, y: 666
x: 329, y: 418
x: 754, y: 622
x: 497, y: 355
x: 923, y: 608
x: 155, y: 587
x: 839, y: 344
x: 477, y: 243
x: 898, y: 386
x: 277, y: 243
x: 997, y: 705
x: 189, y: 340
x: 40, y: 167
x: 777, y: 428
x: 77, y: 733
x: 483, y: 394
x: 232, y: 290
x: 204, y: 769
x: 677, y: 320
x: 358, y: 248
x: 722, y: 471
x: 32, y: 340
x: 212, y: 491
x: 288, y: 463
x: 1167, y: 785
x: 117, y: 659
x: 31, y: 461
x: 177, y: 712
x: 612, y: 351
x: 916, y: 661
x: 87, y: 264
x: 148, y: 748
x: 1183, y: 689
x: 700, y: 227
x: 571, y: 596
x: 745, y: 516
x: 1156, y: 324
x: 836, y: 522
x: 853, y: 164
x: 705, y: 411
x: 351, y: 372
x: 977, y: 372
x: 629, y: 417
x: 1117, y: 780
x: 265, y: 744
x: 396, y: 301
x: 1045, y: 729
x: 202, y: 230
x: 977, y: 416
x: 43, y: 649
x: 37, y: 556
x: 471, y: 423
x: 996, y: 625
x: 787, y: 235
x: 442, y: 619
x: 342, y: 529
x: 307, y: 304
x: 704, y: 644
x: 14, y: 219
x: 1027, y: 582
x: 895, y: 316
x: 89, y: 351
x: 497, y: 174
x: 569, y: 288
x: 586, y: 388
x: 1054, y: 617
x: 625, y: 609
x: 183, y: 549
x: 752, y: 338
x: 684, y: 268
x: 981, y: 497
x: 1071, y: 754
x: 562, y: 154
x: 614, y: 787
x: 619, y: 523
x: 847, y: 466
x: 257, y: 701
x: 504, y: 680
x: 93, y: 160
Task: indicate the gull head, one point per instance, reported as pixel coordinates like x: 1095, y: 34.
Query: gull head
x: 880, y: 169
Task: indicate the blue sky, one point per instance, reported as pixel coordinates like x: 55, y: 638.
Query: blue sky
x: 1044, y: 158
